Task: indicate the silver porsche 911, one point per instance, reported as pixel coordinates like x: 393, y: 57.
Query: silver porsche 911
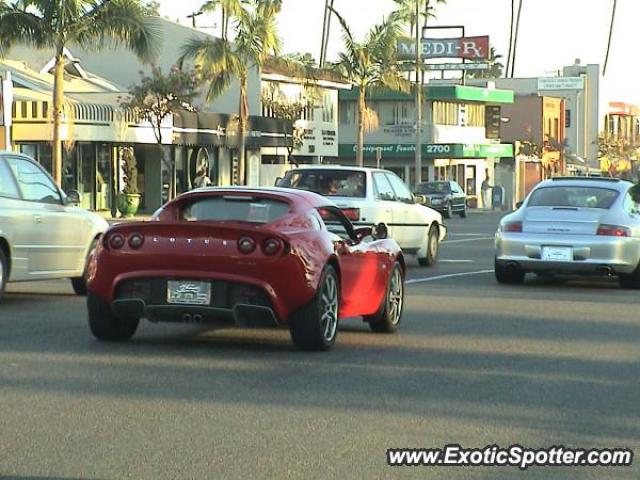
x: 575, y: 226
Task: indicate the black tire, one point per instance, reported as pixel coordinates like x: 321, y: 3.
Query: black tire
x: 106, y: 326
x: 463, y: 212
x: 508, y: 276
x: 4, y: 272
x: 448, y: 213
x: 433, y: 246
x: 630, y: 281
x: 389, y: 314
x: 79, y: 284
x: 315, y: 326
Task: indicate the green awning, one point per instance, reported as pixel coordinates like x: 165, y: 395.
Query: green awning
x: 453, y: 93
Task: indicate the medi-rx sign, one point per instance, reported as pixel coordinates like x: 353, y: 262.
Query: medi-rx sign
x: 468, y: 48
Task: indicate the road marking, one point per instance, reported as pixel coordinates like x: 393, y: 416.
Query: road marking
x: 455, y: 261
x: 467, y: 234
x: 469, y: 239
x: 444, y: 277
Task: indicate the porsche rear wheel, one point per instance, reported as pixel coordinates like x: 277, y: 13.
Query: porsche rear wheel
x: 433, y: 245
x: 106, y: 326
x: 315, y: 326
x: 387, y: 318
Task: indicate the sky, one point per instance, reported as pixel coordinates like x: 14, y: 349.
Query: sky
x: 553, y: 33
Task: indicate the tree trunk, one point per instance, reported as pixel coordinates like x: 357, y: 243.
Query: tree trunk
x: 513, y: 11
x: 58, y: 105
x: 361, y: 109
x: 170, y: 170
x: 515, y: 40
x: 242, y: 131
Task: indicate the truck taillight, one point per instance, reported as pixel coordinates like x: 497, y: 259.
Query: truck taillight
x: 613, y: 231
x: 352, y: 214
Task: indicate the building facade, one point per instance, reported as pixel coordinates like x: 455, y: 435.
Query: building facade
x: 461, y: 136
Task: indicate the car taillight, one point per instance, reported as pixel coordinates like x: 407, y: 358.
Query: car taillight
x: 116, y: 241
x: 246, y: 245
x: 351, y: 213
x: 136, y: 241
x: 515, y: 227
x: 272, y: 246
x: 613, y: 231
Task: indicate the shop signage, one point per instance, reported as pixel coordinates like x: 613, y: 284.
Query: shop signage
x: 431, y: 150
x: 560, y: 83
x: 469, y: 48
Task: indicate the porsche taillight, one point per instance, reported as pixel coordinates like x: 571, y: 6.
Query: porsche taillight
x: 272, y: 246
x: 352, y: 214
x: 613, y: 231
x: 513, y: 227
x: 246, y: 245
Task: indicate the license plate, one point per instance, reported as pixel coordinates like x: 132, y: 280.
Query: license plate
x: 185, y: 292
x: 557, y: 254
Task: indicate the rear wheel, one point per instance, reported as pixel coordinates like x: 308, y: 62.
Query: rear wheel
x: 387, y: 318
x: 508, y: 275
x: 463, y: 212
x: 79, y: 284
x: 4, y: 272
x: 433, y: 245
x: 315, y: 326
x: 106, y: 326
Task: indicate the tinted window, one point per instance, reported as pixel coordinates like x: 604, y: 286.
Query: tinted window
x: 228, y: 208
x: 34, y: 183
x: 433, y: 187
x: 8, y: 186
x: 384, y: 190
x: 330, y: 183
x: 579, y: 197
x: 402, y: 192
x: 456, y: 188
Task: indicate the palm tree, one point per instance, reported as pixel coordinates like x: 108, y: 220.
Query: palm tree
x: 406, y: 10
x: 90, y: 24
x: 370, y: 64
x: 495, y: 69
x: 220, y: 61
x: 228, y: 9
x: 511, y: 22
x: 613, y: 17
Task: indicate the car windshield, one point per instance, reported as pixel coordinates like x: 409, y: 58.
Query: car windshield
x: 330, y: 183
x: 573, y: 197
x: 235, y: 208
x: 433, y: 187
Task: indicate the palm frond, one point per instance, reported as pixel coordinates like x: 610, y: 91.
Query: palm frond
x: 19, y: 26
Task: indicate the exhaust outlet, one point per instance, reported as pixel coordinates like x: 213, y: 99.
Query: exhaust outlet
x: 197, y: 318
x: 187, y: 318
x: 605, y: 270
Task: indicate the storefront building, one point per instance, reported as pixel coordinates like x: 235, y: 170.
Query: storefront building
x: 461, y: 136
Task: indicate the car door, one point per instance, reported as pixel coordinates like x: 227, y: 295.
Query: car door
x: 16, y: 223
x: 408, y: 219
x: 54, y: 238
x: 358, y: 262
x: 386, y: 207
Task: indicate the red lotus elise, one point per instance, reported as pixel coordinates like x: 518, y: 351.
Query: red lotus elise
x: 249, y: 257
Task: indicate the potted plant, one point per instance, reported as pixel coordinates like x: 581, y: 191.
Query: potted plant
x: 129, y: 198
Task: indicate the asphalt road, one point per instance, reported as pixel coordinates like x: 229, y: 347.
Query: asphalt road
x: 474, y: 363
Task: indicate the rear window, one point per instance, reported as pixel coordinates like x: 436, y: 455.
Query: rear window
x: 433, y: 187
x: 577, y: 197
x: 235, y: 208
x: 329, y: 183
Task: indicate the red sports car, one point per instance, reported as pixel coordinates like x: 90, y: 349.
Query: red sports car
x: 249, y: 257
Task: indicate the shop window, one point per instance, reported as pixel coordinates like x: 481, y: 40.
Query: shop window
x: 445, y: 113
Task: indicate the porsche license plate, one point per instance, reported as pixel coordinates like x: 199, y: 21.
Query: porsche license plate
x: 185, y: 292
x: 557, y: 254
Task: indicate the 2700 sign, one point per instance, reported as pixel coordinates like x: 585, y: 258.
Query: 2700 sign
x: 438, y: 148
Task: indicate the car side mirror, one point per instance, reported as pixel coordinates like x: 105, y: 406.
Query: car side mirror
x: 275, y: 184
x: 519, y: 204
x: 421, y: 199
x: 379, y: 231
x: 73, y: 197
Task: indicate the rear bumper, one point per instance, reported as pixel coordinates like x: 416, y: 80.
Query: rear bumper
x: 591, y: 254
x: 242, y: 315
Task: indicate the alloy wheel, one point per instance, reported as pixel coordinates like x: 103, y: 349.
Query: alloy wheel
x: 329, y: 308
x: 395, y: 298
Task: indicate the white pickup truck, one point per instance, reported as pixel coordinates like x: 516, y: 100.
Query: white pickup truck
x: 370, y: 196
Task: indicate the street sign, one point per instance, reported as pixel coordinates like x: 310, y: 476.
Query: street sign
x: 560, y: 83
x: 457, y: 66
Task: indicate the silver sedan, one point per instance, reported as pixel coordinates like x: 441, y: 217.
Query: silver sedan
x: 575, y: 226
x: 42, y: 234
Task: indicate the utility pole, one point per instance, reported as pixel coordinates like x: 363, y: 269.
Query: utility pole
x: 418, y: 176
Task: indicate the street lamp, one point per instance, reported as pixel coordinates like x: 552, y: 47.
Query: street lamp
x: 418, y: 177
